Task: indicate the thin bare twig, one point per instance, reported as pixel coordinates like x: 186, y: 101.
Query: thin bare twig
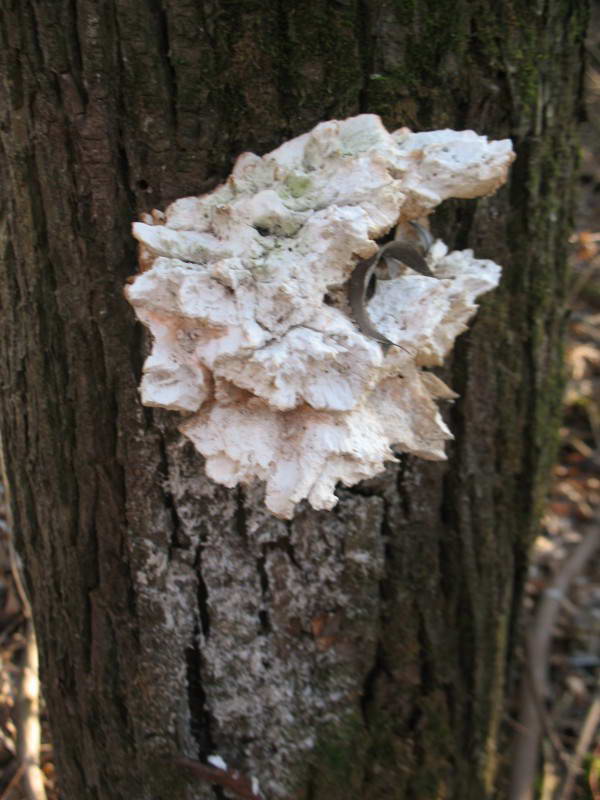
x: 540, y: 707
x: 594, y: 776
x: 13, y: 782
x: 28, y: 719
x: 584, y: 743
x: 526, y: 743
x: 236, y: 783
x: 550, y: 778
x: 581, y: 281
x: 28, y: 701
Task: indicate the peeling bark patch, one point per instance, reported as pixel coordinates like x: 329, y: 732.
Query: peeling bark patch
x: 253, y: 338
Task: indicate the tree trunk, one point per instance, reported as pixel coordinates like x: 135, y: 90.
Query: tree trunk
x: 175, y: 616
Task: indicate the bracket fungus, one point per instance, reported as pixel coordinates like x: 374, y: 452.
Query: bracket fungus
x: 255, y: 338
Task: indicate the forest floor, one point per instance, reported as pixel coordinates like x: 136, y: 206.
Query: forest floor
x: 561, y: 662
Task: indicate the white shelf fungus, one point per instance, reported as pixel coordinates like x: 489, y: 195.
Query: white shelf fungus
x: 253, y: 337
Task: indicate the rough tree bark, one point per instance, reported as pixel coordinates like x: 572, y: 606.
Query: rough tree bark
x: 175, y: 616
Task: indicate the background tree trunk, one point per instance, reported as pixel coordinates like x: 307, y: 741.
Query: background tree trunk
x: 175, y: 616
